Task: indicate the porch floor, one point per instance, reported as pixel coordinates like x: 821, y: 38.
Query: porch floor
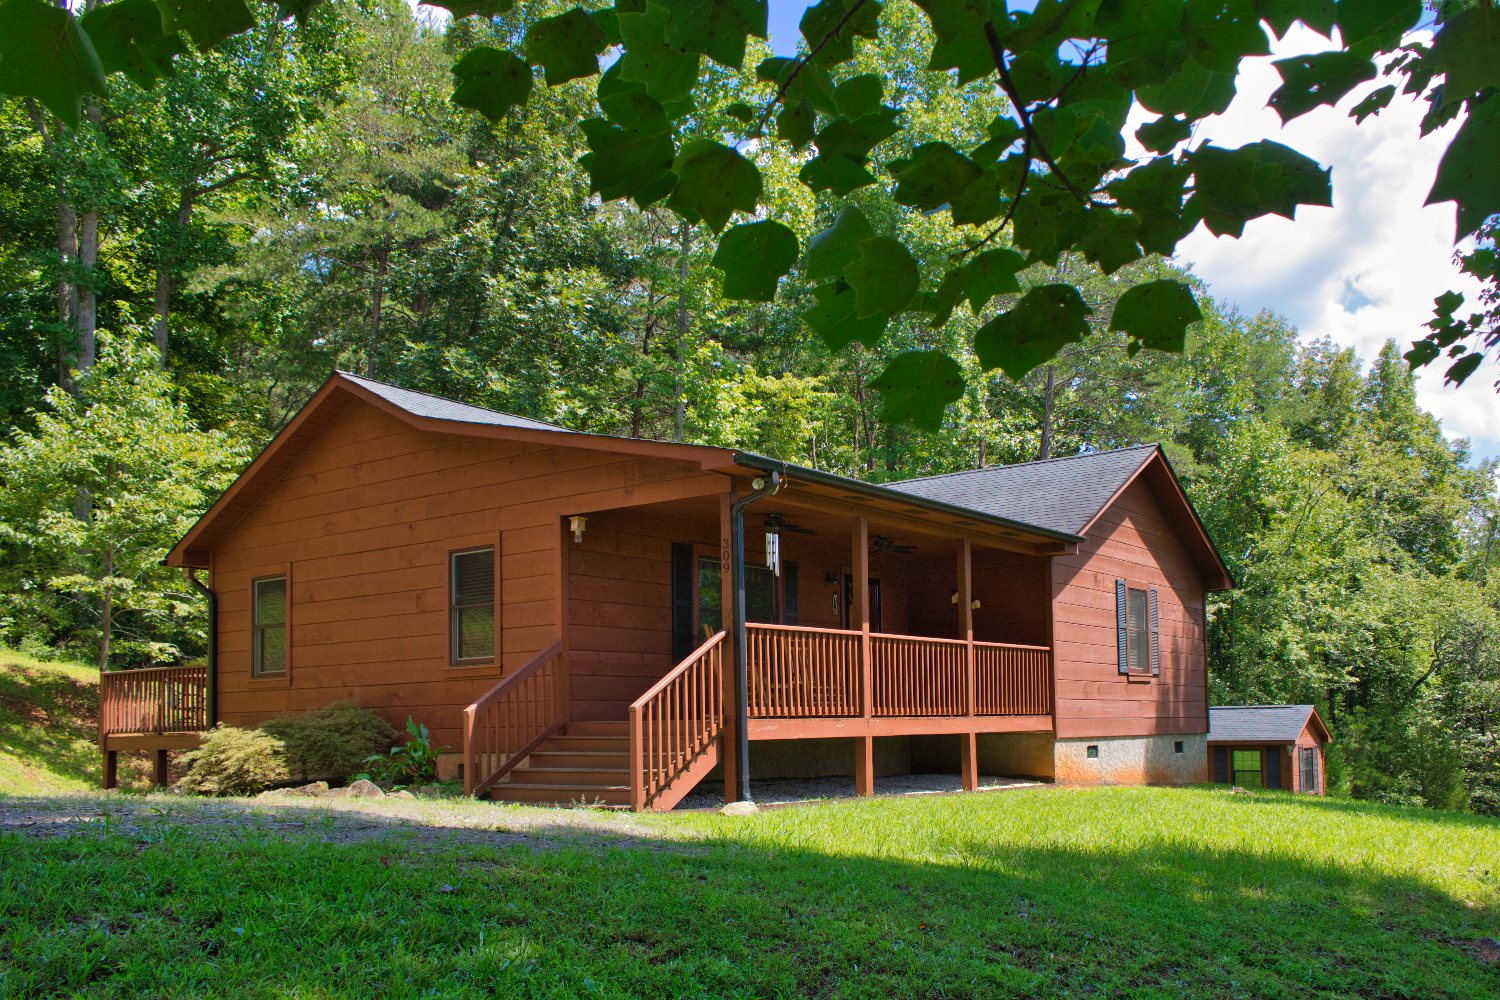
x: 792, y: 791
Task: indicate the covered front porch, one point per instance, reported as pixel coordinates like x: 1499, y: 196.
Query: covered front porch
x: 859, y: 624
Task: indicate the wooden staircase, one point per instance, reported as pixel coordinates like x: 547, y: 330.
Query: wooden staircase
x: 587, y: 763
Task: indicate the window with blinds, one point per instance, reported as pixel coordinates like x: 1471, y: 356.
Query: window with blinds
x: 471, y: 605
x: 268, y: 638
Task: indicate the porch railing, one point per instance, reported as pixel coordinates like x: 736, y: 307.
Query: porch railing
x: 512, y: 719
x: 153, y: 700
x: 796, y: 672
x: 676, y: 722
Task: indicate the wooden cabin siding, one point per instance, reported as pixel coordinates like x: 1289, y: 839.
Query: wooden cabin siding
x: 1013, y: 597
x: 1309, y: 738
x: 363, y: 522
x: 1133, y: 539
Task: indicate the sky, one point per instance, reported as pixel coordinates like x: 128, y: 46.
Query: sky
x: 1361, y: 272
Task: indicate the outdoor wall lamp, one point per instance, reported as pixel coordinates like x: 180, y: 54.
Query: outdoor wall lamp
x: 576, y: 524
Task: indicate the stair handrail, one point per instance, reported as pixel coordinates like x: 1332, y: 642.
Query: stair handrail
x: 676, y: 721
x: 513, y: 718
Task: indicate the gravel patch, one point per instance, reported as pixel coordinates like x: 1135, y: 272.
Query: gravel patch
x: 795, y: 791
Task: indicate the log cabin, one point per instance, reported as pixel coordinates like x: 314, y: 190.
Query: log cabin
x: 582, y: 617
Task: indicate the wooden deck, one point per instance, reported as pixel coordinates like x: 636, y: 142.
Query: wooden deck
x: 156, y: 709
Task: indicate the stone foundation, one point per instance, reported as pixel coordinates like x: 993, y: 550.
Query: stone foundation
x: 1131, y: 760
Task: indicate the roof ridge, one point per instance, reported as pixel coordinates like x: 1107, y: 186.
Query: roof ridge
x: 1018, y: 465
x: 448, y: 399
x: 1282, y: 705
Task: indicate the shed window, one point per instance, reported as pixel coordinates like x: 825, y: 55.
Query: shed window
x: 1247, y: 769
x: 1309, y: 769
x: 472, y: 605
x: 268, y: 652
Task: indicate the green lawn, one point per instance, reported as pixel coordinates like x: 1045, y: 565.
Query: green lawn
x: 49, y: 726
x: 1046, y: 892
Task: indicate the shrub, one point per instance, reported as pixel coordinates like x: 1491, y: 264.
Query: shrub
x: 234, y: 762
x: 412, y: 763
x: 331, y: 743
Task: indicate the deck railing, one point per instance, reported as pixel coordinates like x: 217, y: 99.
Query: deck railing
x: 802, y: 673
x: 796, y: 672
x: 917, y: 676
x: 1012, y: 680
x: 512, y: 719
x: 153, y: 700
x: 676, y: 722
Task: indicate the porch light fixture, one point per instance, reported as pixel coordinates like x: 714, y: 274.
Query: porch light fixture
x: 576, y: 524
x: 954, y: 598
x: 974, y: 604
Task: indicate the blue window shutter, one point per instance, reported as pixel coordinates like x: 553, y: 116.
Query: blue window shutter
x: 683, y: 611
x: 1155, y: 633
x: 1221, y: 765
x: 1122, y: 626
x: 1273, y: 768
x: 789, y: 593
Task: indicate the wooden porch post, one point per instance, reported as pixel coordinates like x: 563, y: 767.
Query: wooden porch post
x: 111, y: 768
x: 966, y: 633
x: 864, y: 769
x: 159, y: 769
x: 728, y: 746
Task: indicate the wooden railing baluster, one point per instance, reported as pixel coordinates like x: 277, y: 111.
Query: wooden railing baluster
x: 512, y: 719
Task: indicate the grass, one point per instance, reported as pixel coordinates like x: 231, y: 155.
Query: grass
x: 1135, y: 892
x: 49, y: 719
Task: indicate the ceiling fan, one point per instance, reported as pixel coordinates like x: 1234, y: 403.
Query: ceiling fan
x: 885, y: 543
x: 776, y: 524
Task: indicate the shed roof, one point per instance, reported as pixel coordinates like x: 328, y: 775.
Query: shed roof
x: 1063, y: 494
x: 1261, y: 723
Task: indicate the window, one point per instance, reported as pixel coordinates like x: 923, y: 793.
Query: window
x: 1247, y: 769
x: 268, y: 642
x: 472, y: 605
x: 760, y: 596
x: 1092, y: 750
x: 1137, y: 638
x: 1309, y: 768
x: 1177, y: 747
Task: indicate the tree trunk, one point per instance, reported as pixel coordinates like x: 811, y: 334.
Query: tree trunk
x: 679, y: 405
x: 166, y: 275
x: 106, y: 613
x: 1046, y: 451
x: 377, y: 300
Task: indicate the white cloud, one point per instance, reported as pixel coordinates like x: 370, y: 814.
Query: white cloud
x: 1368, y: 268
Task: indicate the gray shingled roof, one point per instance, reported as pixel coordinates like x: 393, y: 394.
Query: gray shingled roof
x: 1061, y: 494
x: 424, y: 404
x: 1257, y: 723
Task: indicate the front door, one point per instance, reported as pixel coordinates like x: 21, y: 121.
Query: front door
x: 849, y: 621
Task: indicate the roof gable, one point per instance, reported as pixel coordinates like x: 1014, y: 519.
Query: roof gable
x: 1262, y: 723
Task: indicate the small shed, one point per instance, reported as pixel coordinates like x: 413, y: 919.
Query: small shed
x: 1267, y: 746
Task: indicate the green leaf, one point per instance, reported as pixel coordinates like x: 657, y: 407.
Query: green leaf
x: 811, y: 82
x: 1192, y: 91
x: 491, y: 81
x: 884, y: 277
x: 1282, y: 14
x: 46, y: 55
x: 836, y: 322
x: 836, y: 247
x: 859, y: 95
x: 300, y: 9
x: 838, y: 174
x: 628, y: 162
x: 667, y: 72
x: 796, y: 123
x: 1466, y: 50
x: 754, y: 257
x: 472, y: 8
x: 1220, y: 33
x: 1461, y: 369
x: 1322, y: 78
x: 933, y: 176
x: 917, y: 386
x: 566, y: 46
x: 206, y: 22
x: 1033, y: 330
x: 856, y: 137
x: 713, y: 181
x: 716, y: 28
x: 1232, y: 186
x: 960, y: 43
x: 1375, y: 101
x: 1157, y: 314
x: 1111, y: 244
x: 628, y: 105
x: 981, y: 201
x: 1164, y: 134
x: 1376, y: 25
x: 1466, y: 174
x: 832, y: 25
x: 128, y: 39
x: 989, y: 274
x: 1145, y: 45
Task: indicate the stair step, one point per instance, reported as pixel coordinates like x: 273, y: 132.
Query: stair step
x: 609, y: 795
x: 604, y: 744
x: 547, y: 757
x: 601, y: 776
x: 607, y: 728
